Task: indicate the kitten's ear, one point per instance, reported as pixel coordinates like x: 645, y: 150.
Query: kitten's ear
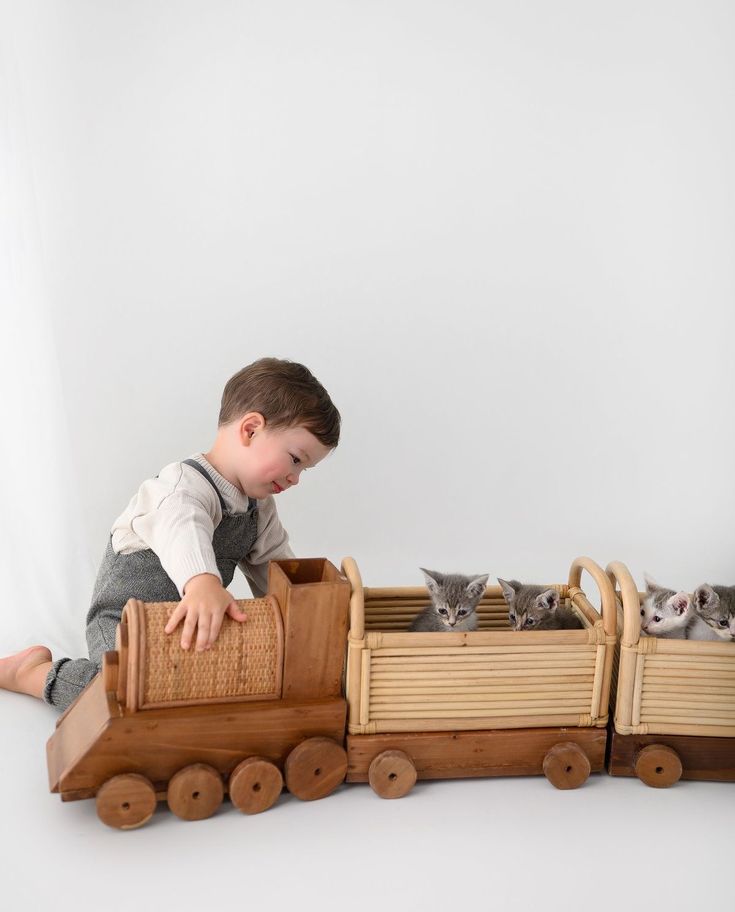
x: 476, y: 586
x: 680, y: 603
x: 705, y: 597
x: 509, y: 589
x: 651, y: 585
x: 433, y: 579
x: 548, y: 600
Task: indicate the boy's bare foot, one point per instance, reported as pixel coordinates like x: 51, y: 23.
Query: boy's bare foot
x: 26, y: 671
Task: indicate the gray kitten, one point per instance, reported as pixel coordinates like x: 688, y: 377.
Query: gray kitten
x: 714, y: 617
x: 665, y: 613
x: 536, y: 608
x: 454, y: 599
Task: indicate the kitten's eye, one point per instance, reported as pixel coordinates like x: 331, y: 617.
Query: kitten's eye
x: 657, y: 618
x: 642, y: 612
x: 443, y: 612
x: 461, y: 612
x: 723, y: 622
x: 530, y: 622
x: 512, y: 618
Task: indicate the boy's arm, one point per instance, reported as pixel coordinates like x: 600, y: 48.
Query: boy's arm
x: 179, y: 529
x: 270, y: 544
x: 175, y: 516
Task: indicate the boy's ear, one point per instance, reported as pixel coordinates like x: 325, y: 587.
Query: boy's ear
x: 249, y: 425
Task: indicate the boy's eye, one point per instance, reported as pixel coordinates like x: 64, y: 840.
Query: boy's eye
x: 295, y: 459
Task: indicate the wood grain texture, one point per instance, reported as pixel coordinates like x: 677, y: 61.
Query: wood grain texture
x: 469, y: 754
x: 392, y: 774
x: 315, y: 768
x: 126, y: 802
x: 314, y: 601
x: 255, y: 785
x: 658, y: 766
x: 703, y: 758
x: 566, y: 765
x: 77, y: 729
x: 98, y: 742
x: 195, y: 792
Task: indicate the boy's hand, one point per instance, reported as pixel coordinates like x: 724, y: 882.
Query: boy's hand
x: 204, y: 606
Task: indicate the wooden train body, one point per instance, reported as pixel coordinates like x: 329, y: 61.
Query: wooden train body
x: 290, y: 696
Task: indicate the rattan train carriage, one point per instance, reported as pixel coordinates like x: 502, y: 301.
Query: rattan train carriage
x: 674, y: 700
x: 484, y: 703
x: 161, y: 723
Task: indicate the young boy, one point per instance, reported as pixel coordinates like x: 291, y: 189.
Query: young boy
x: 185, y: 531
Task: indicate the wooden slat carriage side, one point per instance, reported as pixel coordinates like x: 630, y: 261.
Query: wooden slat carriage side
x: 420, y: 694
x: 674, y: 700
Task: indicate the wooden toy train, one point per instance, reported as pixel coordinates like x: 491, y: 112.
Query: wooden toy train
x: 324, y: 683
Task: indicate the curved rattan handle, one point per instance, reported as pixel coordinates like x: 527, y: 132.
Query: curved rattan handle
x: 607, y: 593
x: 620, y: 577
x: 357, y: 598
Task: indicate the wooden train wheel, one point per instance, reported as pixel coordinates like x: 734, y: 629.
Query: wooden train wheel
x: 195, y: 792
x: 392, y: 774
x: 255, y: 785
x: 566, y: 765
x: 315, y: 768
x: 658, y: 766
x: 126, y: 801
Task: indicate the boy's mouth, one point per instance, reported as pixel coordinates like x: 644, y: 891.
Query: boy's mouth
x: 276, y: 488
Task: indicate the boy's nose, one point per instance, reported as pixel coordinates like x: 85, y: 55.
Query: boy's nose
x: 292, y: 479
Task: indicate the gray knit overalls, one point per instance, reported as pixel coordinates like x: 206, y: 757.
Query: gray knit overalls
x: 140, y: 575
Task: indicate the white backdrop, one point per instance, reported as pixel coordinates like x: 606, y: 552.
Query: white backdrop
x: 501, y: 234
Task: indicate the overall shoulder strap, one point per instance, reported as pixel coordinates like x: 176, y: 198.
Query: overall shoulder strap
x: 205, y: 473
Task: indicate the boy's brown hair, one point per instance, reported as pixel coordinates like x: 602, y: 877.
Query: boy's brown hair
x: 286, y: 394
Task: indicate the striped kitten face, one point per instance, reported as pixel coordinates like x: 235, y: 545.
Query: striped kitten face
x: 664, y: 611
x: 715, y: 605
x: 454, y: 597
x: 530, y: 607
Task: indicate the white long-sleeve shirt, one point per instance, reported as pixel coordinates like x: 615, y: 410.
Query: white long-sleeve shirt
x: 176, y: 513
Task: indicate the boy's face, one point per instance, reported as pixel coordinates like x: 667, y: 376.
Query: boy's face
x: 273, y: 460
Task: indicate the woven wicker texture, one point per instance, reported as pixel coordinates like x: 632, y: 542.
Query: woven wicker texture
x: 246, y: 660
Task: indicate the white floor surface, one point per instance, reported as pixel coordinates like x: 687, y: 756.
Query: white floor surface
x: 512, y: 844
